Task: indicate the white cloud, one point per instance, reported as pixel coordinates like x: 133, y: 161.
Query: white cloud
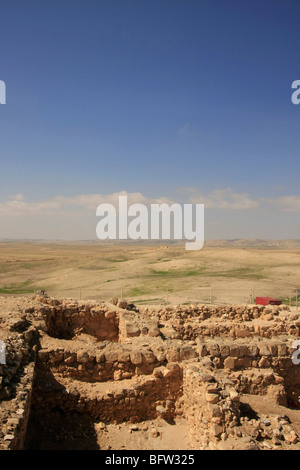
x: 16, y: 197
x: 221, y: 199
x: 18, y: 206
x: 86, y: 204
x: 74, y: 217
x: 83, y: 204
x: 285, y: 203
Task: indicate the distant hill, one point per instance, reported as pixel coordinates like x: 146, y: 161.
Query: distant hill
x: 255, y: 243
x: 235, y: 242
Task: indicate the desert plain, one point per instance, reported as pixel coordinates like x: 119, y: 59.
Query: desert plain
x: 232, y: 272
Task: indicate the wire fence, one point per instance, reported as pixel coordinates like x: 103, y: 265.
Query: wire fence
x: 203, y: 295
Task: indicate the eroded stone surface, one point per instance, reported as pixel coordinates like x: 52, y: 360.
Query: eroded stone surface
x: 113, y: 363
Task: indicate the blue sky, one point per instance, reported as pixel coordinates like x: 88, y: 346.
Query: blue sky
x: 149, y: 97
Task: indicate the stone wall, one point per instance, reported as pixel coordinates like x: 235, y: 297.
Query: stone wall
x: 98, y: 365
x: 189, y: 323
x: 211, y: 406
x: 131, y: 401
x: 16, y: 381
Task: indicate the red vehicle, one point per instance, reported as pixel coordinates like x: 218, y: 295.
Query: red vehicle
x: 267, y: 301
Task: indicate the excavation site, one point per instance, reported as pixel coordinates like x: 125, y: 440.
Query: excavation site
x: 115, y: 376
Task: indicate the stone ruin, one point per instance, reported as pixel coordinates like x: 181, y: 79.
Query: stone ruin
x: 215, y: 367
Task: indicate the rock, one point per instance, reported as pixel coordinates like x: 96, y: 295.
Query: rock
x: 278, y: 435
x: 252, y: 446
x: 230, y: 363
x: 148, y: 357
x: 217, y: 430
x: 100, y: 426
x: 154, y: 433
x: 276, y: 441
x: 136, y: 357
x: 153, y: 331
x: 122, y: 304
x: 212, y: 398
x: 82, y: 356
x: 237, y: 432
x: 161, y: 411
x: 212, y: 388
x: 291, y: 438
x: 117, y: 375
x: 133, y: 428
x: 131, y: 329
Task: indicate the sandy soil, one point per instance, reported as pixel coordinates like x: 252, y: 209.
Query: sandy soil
x: 77, y: 432
x: 151, y: 274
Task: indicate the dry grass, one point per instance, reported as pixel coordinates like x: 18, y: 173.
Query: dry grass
x: 144, y: 273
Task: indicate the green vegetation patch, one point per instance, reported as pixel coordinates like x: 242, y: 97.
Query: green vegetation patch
x: 22, y: 288
x: 117, y: 260
x: 239, y: 273
x: 160, y: 260
x: 152, y: 301
x: 177, y: 273
x: 136, y: 291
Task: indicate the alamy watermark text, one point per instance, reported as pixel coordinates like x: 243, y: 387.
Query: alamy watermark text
x: 2, y: 352
x: 159, y: 222
x: 2, y: 92
x: 296, y: 94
